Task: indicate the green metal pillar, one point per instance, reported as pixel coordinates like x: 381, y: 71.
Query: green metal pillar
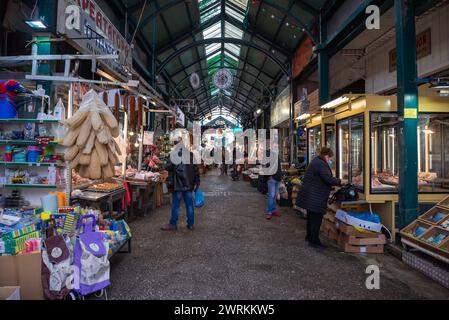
x: 323, y: 65
x: 47, y: 12
x: 408, y: 110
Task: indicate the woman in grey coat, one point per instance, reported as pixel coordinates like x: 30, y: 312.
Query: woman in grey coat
x: 314, y: 194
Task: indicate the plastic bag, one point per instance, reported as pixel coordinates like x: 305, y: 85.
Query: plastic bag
x: 199, y: 198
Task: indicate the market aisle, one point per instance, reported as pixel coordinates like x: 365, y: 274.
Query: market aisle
x: 234, y: 253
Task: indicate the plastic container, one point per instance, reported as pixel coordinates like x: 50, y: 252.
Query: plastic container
x: 19, y: 155
x: 8, y: 154
x: 33, y: 154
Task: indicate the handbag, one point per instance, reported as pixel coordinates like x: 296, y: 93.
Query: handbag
x: 199, y: 198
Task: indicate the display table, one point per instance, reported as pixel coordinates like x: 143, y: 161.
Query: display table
x: 145, y: 194
x: 99, y: 199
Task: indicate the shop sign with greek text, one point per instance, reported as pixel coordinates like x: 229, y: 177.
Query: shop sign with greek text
x: 89, y: 30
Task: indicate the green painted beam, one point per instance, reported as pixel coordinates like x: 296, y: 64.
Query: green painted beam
x: 408, y: 110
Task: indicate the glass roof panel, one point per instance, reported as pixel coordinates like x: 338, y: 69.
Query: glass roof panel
x: 242, y: 4
x: 204, y: 4
x: 214, y: 31
x: 229, y: 57
x: 240, y: 16
x: 211, y: 48
x: 209, y: 14
x: 232, y: 48
x: 232, y: 31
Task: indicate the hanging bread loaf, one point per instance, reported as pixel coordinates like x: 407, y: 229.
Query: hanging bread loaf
x: 90, y: 143
x: 86, y: 128
x: 91, y: 148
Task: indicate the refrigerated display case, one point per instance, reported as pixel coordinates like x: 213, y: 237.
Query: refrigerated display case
x: 313, y: 142
x: 433, y: 153
x: 329, y: 138
x: 368, y: 152
x: 350, y: 151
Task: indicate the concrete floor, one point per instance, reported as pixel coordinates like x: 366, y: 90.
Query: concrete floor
x: 234, y: 253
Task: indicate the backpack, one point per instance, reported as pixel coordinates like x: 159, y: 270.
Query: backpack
x: 346, y: 193
x: 91, y: 258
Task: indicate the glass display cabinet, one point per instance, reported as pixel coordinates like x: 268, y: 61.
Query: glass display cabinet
x: 329, y: 138
x: 350, y: 151
x: 313, y: 142
x: 367, y: 149
x: 433, y: 153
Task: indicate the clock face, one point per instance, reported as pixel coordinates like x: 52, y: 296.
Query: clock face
x: 223, y: 79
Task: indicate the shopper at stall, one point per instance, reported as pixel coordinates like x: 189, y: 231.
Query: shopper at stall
x: 184, y: 179
x: 273, y: 182
x: 314, y: 194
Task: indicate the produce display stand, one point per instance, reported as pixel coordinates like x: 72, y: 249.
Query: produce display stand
x: 362, y: 129
x: 422, y: 234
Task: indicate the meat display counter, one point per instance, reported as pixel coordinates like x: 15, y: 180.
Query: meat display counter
x: 366, y: 129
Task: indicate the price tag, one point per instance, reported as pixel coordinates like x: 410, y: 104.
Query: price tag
x: 38, y: 164
x: 30, y: 164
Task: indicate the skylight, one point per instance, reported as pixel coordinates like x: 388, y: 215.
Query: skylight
x: 228, y: 55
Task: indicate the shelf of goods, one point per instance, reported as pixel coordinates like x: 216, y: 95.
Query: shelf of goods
x: 31, y: 159
x: 22, y: 233
x: 430, y: 232
x: 363, y: 132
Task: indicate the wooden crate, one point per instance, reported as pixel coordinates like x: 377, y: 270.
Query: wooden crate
x: 444, y: 202
x: 378, y: 239
x: 428, y: 216
x: 408, y: 232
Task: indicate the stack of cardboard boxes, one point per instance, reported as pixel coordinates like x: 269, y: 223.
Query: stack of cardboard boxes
x: 349, y: 238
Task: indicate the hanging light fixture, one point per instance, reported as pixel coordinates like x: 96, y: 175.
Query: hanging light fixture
x: 37, y: 24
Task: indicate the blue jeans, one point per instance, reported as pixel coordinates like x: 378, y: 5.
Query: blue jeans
x: 188, y: 201
x: 273, y: 188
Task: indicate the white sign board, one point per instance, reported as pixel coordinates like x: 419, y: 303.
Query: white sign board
x: 280, y: 110
x: 88, y: 29
x: 148, y: 138
x: 180, y: 117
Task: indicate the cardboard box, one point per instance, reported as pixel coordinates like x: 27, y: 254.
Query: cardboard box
x: 353, y: 221
x: 24, y: 271
x: 361, y: 249
x: 328, y: 225
x: 349, y: 248
x: 357, y: 241
x: 351, y: 231
x: 10, y: 293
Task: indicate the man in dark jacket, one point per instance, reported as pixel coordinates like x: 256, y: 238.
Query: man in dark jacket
x: 184, y: 179
x: 314, y: 194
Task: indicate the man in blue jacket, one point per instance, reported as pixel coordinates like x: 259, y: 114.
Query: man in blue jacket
x: 314, y: 194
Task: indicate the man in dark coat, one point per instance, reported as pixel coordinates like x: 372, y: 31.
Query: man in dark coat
x: 314, y: 194
x: 183, y: 180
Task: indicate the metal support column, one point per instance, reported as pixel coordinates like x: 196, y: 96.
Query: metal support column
x: 47, y: 12
x: 291, y: 123
x: 323, y: 64
x: 408, y: 110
